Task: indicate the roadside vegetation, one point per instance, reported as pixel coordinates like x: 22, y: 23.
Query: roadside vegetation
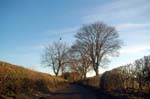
x: 20, y: 83
x: 132, y: 78
x: 131, y: 81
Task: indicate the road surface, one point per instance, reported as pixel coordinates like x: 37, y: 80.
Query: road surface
x: 74, y: 92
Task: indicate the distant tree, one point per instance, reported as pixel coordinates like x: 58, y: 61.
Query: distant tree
x: 72, y: 76
x: 143, y: 71
x: 139, y: 72
x: 147, y: 71
x: 146, y: 68
x: 100, y: 41
x: 55, y: 56
x: 80, y: 62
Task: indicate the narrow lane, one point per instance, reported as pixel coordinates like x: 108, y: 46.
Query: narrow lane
x: 74, y: 92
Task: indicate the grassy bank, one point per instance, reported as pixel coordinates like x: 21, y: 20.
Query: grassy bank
x: 20, y: 83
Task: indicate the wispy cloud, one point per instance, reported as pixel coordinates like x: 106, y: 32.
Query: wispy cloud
x: 134, y: 32
x: 119, y: 10
x: 135, y: 49
x: 127, y: 26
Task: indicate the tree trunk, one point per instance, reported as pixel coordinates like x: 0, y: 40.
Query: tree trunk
x: 84, y: 76
x: 97, y: 74
x: 56, y: 73
x: 96, y: 69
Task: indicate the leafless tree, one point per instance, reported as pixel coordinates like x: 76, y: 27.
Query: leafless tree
x: 146, y: 69
x: 143, y: 71
x: 55, y: 56
x: 100, y: 41
x: 131, y: 77
x: 80, y: 61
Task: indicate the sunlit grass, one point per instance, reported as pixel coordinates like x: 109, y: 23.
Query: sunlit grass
x: 18, y: 82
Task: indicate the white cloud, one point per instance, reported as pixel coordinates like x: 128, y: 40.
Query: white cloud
x: 134, y: 32
x: 135, y: 49
x: 118, y: 10
x: 127, y: 26
x: 129, y: 54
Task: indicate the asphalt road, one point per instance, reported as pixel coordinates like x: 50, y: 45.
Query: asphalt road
x: 79, y: 92
x: 74, y: 92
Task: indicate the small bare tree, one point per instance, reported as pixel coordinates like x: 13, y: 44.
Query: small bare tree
x: 55, y: 56
x: 80, y: 62
x: 100, y: 41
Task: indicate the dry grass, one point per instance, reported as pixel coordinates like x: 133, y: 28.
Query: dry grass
x: 16, y: 82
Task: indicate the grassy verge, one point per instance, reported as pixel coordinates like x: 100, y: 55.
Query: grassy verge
x: 21, y: 83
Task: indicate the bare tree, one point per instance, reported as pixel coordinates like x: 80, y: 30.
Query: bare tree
x: 100, y: 41
x: 131, y: 77
x: 55, y: 56
x: 80, y: 61
x: 146, y: 69
x: 143, y: 71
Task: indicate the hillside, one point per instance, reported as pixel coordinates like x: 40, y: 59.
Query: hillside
x: 20, y: 83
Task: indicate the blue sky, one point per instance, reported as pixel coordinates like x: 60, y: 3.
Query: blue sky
x: 28, y: 25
